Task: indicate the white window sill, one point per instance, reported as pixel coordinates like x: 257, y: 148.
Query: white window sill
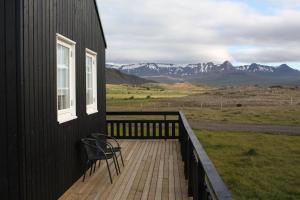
x: 91, y: 111
x: 65, y: 118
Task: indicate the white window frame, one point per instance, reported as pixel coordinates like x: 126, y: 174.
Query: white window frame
x: 70, y: 113
x: 92, y: 108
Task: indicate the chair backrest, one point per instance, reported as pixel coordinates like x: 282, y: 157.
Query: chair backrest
x: 90, y: 147
x: 100, y: 140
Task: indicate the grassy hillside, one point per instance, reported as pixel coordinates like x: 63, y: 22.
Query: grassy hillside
x: 238, y: 78
x: 114, y: 76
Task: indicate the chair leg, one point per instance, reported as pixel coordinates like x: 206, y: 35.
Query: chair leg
x: 91, y: 168
x: 95, y: 166
x: 85, y: 168
x: 117, y: 163
x: 109, y: 171
x: 122, y: 158
x: 117, y: 169
x: 99, y: 163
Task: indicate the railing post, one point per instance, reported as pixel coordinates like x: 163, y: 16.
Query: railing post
x: 181, y: 137
x: 186, y: 149
x: 107, y: 129
x: 190, y: 168
x: 118, y: 130
x: 112, y: 129
x: 201, y: 180
x: 195, y: 178
x: 124, y: 130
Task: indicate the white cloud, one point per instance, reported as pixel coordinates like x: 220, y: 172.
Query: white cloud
x: 199, y: 31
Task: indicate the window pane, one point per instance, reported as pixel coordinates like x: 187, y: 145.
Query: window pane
x: 63, y: 77
x: 89, y: 80
x: 89, y: 96
x: 63, y: 99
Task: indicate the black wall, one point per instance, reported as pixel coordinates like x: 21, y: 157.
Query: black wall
x: 3, y: 143
x: 9, y: 92
x: 50, y: 151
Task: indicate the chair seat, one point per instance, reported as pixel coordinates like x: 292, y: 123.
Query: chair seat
x: 117, y: 149
x: 102, y: 157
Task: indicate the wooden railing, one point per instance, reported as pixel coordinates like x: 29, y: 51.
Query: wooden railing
x: 136, y: 128
x: 204, y: 182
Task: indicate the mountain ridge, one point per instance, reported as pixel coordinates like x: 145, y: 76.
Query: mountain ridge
x: 210, y: 72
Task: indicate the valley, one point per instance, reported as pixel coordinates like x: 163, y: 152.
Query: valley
x: 251, y: 133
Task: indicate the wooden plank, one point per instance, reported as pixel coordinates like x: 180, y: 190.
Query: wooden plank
x: 158, y: 193
x: 133, y: 176
x: 150, y: 173
x: 147, y: 174
x: 143, y: 166
x: 165, y: 184
x: 171, y: 174
x: 124, y: 188
x: 152, y: 189
x: 178, y: 192
x: 183, y: 181
x: 113, y: 189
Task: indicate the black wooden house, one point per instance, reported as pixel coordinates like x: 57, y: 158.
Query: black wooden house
x: 52, y: 86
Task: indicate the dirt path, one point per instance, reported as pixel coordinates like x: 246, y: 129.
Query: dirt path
x: 217, y: 126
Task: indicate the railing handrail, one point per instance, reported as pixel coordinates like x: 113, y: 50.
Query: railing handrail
x: 141, y: 120
x: 220, y: 189
x: 143, y: 113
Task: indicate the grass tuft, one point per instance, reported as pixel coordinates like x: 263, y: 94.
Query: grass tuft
x: 251, y: 152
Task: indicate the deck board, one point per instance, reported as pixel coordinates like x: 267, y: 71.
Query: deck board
x: 153, y: 170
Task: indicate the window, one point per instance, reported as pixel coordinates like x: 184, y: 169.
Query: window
x: 91, y: 82
x: 66, y: 105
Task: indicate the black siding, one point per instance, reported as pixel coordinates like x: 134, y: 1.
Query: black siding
x: 51, y: 150
x: 3, y: 131
x: 9, y: 104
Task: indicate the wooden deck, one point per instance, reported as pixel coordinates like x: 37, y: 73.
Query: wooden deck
x: 153, y: 170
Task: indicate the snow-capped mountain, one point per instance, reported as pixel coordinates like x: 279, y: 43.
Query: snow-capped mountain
x: 210, y: 73
x: 196, y: 70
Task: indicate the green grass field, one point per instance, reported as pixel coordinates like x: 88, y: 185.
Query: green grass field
x: 256, y: 166
x: 258, y: 106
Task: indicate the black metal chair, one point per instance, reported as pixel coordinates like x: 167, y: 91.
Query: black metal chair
x: 95, y: 153
x: 107, y: 147
x: 117, y: 148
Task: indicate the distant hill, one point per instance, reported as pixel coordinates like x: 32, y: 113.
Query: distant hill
x: 216, y: 74
x: 114, y: 76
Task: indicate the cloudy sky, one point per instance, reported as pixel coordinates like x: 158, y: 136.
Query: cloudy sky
x: 193, y: 31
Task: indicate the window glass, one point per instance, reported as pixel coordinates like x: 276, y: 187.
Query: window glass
x: 89, y: 80
x: 66, y: 80
x: 63, y: 77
